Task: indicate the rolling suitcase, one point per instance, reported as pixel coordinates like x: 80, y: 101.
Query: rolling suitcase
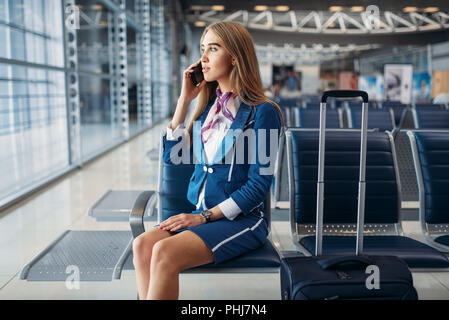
x: 356, y: 276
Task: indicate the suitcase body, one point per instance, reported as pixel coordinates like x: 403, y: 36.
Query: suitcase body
x: 304, y: 278
x: 356, y: 276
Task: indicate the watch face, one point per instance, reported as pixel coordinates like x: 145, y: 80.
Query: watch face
x: 206, y: 214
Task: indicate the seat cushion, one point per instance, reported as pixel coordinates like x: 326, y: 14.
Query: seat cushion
x: 264, y: 257
x: 416, y: 254
x: 443, y: 240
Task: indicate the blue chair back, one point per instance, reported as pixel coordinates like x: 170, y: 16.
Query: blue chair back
x: 398, y: 109
x: 433, y: 153
x: 341, y: 175
x: 174, y: 184
x: 358, y: 104
x: 431, y: 118
x: 287, y: 114
x: 383, y: 119
x: 290, y: 102
x: 310, y: 118
x: 430, y: 106
x: 314, y: 105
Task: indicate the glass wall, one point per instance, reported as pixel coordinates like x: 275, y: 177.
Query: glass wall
x: 135, y: 82
x: 161, y: 66
x: 97, y: 78
x: 33, y: 118
x: 104, y: 62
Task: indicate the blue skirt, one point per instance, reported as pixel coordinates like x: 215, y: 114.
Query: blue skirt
x: 228, y: 239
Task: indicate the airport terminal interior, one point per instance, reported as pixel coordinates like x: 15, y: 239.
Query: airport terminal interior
x: 88, y: 88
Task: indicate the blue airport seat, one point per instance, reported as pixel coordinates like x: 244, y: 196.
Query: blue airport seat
x: 358, y: 104
x: 382, y: 220
x: 171, y: 193
x: 313, y: 98
x: 430, y: 118
x: 315, y: 105
x: 174, y: 184
x: 431, y: 158
x: 287, y: 114
x: 382, y: 119
x: 398, y: 109
x: 310, y: 118
x: 415, y: 253
x: 290, y: 102
x: 429, y: 106
x: 444, y: 240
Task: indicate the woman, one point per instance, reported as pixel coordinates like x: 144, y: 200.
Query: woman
x: 229, y: 219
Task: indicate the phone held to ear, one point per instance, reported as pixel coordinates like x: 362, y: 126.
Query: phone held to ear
x: 197, y: 75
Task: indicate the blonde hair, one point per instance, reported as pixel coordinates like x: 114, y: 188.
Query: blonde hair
x: 244, y: 77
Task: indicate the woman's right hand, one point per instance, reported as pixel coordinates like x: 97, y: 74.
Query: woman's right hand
x: 189, y: 91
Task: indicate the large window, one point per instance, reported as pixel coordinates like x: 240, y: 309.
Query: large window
x: 33, y: 119
x: 161, y: 66
x: 69, y: 91
x: 97, y: 78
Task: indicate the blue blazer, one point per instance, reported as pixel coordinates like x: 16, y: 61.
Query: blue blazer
x: 227, y: 175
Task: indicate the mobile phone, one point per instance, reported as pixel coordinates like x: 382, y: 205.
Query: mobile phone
x: 197, y: 75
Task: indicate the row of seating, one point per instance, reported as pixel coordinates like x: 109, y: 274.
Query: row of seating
x: 384, y: 234
x: 382, y: 204
x: 334, y: 103
x: 348, y: 117
x: 382, y: 119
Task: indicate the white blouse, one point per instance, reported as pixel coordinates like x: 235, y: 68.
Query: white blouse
x: 228, y: 207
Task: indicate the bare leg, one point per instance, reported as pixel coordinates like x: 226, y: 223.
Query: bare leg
x: 142, y: 251
x: 172, y: 255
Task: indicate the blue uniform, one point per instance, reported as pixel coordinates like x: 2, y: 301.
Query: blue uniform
x: 237, y: 171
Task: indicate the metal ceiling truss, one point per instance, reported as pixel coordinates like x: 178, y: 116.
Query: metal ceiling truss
x: 289, y: 54
x: 330, y: 22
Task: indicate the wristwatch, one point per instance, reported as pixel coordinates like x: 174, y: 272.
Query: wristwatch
x: 206, y: 215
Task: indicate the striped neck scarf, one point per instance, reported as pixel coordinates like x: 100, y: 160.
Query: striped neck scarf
x: 220, y: 106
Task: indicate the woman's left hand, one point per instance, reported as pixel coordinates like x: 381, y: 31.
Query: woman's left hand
x: 183, y: 220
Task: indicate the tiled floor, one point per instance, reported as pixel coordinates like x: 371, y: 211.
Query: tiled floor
x: 28, y: 227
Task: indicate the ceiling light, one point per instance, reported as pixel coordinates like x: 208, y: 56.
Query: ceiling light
x: 200, y: 23
x: 410, y: 9
x: 260, y: 8
x: 282, y: 8
x: 357, y: 9
x: 431, y: 9
x: 96, y: 7
x: 196, y: 8
x: 218, y: 8
x: 335, y: 8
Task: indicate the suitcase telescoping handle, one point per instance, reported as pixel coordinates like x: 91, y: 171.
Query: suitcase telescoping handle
x: 362, y: 182
x: 344, y: 94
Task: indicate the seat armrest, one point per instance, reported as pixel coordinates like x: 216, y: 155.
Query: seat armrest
x: 145, y: 203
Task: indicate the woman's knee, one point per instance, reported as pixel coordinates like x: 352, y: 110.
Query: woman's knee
x: 143, y: 245
x: 164, y: 257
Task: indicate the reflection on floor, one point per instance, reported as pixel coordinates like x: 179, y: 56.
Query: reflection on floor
x: 28, y: 227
